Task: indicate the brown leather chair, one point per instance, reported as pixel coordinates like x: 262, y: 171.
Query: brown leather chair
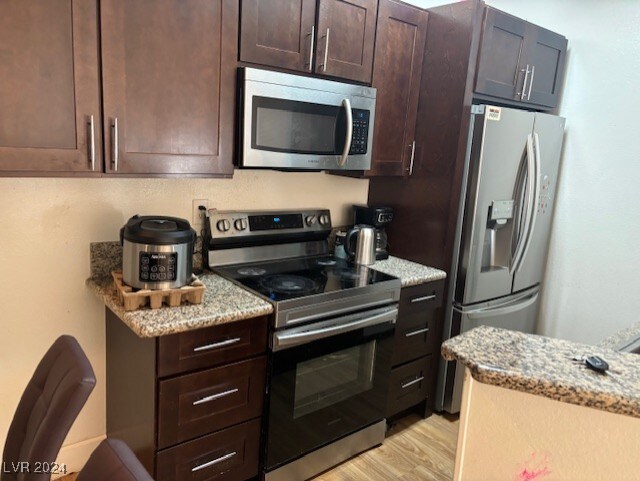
x: 50, y: 404
x: 113, y: 461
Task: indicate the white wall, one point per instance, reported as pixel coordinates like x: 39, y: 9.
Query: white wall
x: 592, y: 285
x: 46, y: 226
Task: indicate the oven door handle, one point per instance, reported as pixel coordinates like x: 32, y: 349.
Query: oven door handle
x: 307, y: 334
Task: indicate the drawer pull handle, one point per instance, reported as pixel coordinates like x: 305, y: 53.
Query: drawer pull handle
x: 216, y: 345
x: 423, y: 298
x: 415, y: 333
x: 214, y: 397
x: 215, y: 461
x: 411, y: 383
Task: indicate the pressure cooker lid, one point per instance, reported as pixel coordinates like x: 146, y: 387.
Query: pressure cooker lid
x: 158, y: 230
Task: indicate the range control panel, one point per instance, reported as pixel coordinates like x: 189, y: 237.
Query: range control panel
x: 360, y: 136
x: 156, y: 266
x: 225, y: 224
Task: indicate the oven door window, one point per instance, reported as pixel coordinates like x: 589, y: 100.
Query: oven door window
x: 326, y: 389
x: 333, y: 378
x: 281, y: 125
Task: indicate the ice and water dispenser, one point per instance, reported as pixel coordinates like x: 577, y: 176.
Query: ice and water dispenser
x: 496, y: 252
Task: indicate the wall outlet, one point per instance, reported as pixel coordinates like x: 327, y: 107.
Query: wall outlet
x: 198, y: 216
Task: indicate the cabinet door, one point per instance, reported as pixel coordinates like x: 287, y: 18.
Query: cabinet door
x: 401, y: 35
x: 169, y: 85
x: 546, y: 51
x: 345, y: 37
x: 500, y: 70
x: 279, y: 33
x: 49, y: 87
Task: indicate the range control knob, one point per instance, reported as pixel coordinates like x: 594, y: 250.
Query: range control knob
x: 240, y: 224
x: 324, y: 219
x: 223, y: 225
x: 311, y: 220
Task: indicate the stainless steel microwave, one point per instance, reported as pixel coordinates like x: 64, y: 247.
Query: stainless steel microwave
x: 294, y: 122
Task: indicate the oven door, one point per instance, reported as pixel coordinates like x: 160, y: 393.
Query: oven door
x: 328, y: 379
x: 288, y: 127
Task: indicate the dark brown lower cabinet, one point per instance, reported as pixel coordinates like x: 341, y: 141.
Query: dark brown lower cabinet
x: 416, y: 348
x: 189, y: 404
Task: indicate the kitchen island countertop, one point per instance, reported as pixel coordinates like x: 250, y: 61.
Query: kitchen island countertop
x: 545, y: 367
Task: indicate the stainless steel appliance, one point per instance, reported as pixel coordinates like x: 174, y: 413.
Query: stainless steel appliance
x: 360, y: 245
x: 330, y: 342
x: 293, y: 122
x: 378, y: 217
x: 508, y: 193
x: 157, y: 252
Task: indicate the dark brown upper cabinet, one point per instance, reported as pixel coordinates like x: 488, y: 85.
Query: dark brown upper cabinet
x: 49, y: 88
x: 285, y: 34
x: 279, y: 33
x: 397, y: 70
x: 345, y: 38
x: 519, y: 61
x: 168, y: 74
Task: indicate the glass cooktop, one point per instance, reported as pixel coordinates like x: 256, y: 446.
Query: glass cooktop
x: 300, y: 277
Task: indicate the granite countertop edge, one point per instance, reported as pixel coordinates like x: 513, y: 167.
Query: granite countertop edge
x: 568, y: 385
x: 410, y: 273
x: 166, y: 321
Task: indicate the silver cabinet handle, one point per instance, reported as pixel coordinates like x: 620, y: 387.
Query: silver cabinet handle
x: 524, y: 84
x: 415, y: 333
x: 213, y: 397
x: 411, y: 383
x: 533, y: 72
x: 115, y: 146
x: 216, y: 345
x: 313, y: 39
x: 423, y: 298
x: 413, y: 154
x: 347, y: 142
x: 215, y: 461
x: 326, y: 51
x: 92, y: 143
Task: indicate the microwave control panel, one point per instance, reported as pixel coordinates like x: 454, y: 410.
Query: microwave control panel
x: 360, y: 136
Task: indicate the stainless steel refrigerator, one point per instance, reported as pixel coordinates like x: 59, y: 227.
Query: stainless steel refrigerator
x: 502, y: 234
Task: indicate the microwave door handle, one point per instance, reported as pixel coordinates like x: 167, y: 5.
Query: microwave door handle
x: 349, y: 133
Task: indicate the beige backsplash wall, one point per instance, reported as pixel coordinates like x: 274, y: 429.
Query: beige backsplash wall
x: 47, y: 225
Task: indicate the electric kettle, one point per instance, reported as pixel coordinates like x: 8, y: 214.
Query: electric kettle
x: 360, y: 245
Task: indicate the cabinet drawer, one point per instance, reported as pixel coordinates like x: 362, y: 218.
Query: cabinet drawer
x: 228, y: 455
x: 409, y: 384
x: 196, y: 404
x: 211, y: 346
x: 417, y: 329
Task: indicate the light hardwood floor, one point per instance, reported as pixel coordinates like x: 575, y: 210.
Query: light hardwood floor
x: 415, y: 450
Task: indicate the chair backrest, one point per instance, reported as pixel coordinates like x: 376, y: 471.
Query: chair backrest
x: 49, y: 405
x: 112, y: 460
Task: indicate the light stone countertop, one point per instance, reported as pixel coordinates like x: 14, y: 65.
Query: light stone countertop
x: 622, y: 337
x: 544, y: 366
x: 410, y: 273
x: 223, y: 300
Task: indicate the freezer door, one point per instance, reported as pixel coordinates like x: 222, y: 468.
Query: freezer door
x: 517, y: 312
x: 496, y: 157
x: 548, y: 134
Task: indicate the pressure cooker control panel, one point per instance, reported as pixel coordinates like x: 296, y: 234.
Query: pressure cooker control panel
x: 158, y: 266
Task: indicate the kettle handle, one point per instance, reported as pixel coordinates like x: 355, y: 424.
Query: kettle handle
x: 351, y: 252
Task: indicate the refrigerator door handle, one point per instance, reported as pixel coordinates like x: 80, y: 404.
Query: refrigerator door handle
x: 510, y: 307
x: 529, y: 206
x: 536, y: 196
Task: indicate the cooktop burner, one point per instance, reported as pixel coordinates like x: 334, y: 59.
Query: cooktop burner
x: 304, y: 276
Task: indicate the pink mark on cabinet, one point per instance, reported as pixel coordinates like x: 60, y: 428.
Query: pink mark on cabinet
x: 535, y: 468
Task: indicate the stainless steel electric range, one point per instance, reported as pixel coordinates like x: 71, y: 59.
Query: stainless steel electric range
x: 330, y: 342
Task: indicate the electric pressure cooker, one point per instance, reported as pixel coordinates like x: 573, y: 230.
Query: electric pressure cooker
x: 157, y: 252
